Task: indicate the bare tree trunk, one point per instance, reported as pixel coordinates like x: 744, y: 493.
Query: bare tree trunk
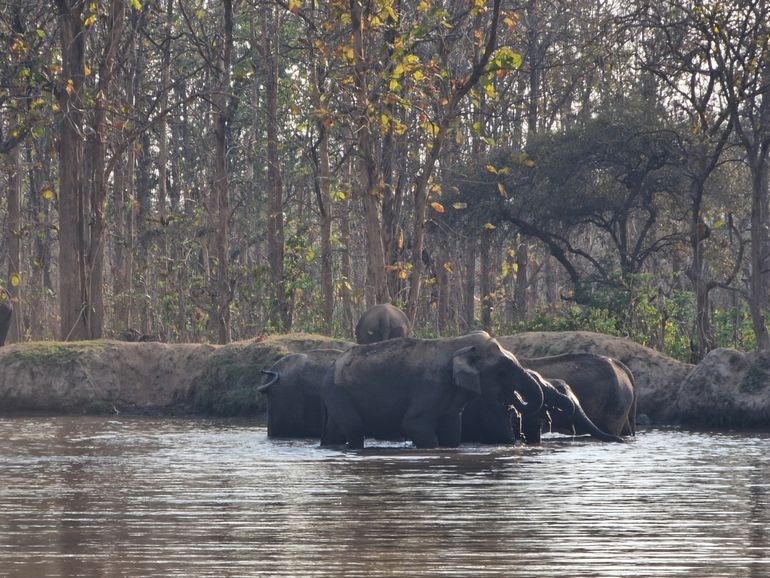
x: 522, y: 282
x: 369, y: 172
x: 485, y: 285
x: 281, y: 314
x: 72, y: 302
x: 13, y: 240
x: 469, y: 288
x: 760, y: 246
x: 346, y: 268
x: 221, y: 192
x: 322, y: 185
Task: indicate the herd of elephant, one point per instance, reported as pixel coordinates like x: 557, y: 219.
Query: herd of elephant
x: 442, y: 392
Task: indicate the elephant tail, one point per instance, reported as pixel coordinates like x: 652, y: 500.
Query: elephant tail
x: 269, y: 383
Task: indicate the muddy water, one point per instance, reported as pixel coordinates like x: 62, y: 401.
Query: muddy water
x: 140, y: 497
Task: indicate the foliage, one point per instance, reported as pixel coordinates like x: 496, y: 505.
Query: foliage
x: 596, y: 142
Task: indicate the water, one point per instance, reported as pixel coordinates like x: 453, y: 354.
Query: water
x: 141, y: 497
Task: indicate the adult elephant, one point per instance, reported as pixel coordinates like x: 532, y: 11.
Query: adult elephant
x: 293, y: 389
x: 381, y: 322
x: 485, y: 420
x: 604, y: 386
x: 417, y: 388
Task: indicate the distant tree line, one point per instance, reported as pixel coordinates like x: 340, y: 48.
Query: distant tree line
x: 213, y: 171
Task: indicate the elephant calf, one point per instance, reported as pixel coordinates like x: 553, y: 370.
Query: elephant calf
x: 485, y: 420
x: 293, y: 389
x: 381, y: 322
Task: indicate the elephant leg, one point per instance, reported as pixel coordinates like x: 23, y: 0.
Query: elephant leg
x: 420, y: 430
x: 531, y: 430
x: 342, y: 416
x: 449, y: 430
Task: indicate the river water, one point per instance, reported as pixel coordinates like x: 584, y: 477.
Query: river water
x: 147, y: 497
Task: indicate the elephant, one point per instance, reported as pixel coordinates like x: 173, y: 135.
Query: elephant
x: 560, y: 416
x: 604, y: 386
x: 381, y: 322
x: 6, y: 312
x: 293, y: 389
x: 485, y: 420
x: 417, y: 388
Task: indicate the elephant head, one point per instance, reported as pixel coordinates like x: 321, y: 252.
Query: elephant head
x: 491, y: 371
x: 561, y: 410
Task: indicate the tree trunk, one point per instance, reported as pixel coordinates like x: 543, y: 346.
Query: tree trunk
x: 221, y: 193
x: 522, y: 282
x: 485, y: 284
x: 369, y: 172
x: 13, y: 239
x: 322, y: 185
x: 73, y: 303
x: 760, y: 243
x: 280, y: 312
x: 469, y: 288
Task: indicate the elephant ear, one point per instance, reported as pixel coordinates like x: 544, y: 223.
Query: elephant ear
x: 465, y: 372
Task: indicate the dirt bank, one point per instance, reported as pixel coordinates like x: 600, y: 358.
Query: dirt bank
x: 728, y: 389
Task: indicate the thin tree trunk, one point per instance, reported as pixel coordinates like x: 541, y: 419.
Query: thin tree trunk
x: 469, y: 288
x: 281, y: 314
x: 760, y: 243
x: 13, y: 240
x: 322, y: 185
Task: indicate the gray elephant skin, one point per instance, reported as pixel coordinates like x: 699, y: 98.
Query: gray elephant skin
x: 293, y: 389
x: 417, y: 388
x: 487, y: 421
x: 557, y: 415
x: 381, y: 322
x: 604, y: 386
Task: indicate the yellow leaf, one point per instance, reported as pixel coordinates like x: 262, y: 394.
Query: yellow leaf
x: 70, y: 87
x: 460, y: 206
x: 48, y: 194
x: 402, y: 274
x: 448, y: 267
x: 86, y: 70
x: 501, y: 189
x: 15, y: 280
x: 295, y: 6
x: 489, y: 226
x: 438, y: 207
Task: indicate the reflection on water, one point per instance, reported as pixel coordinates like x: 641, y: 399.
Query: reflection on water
x: 140, y: 497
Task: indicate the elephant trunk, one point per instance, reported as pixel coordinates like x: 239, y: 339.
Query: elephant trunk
x: 268, y: 384
x: 530, y: 396
x: 583, y: 423
x: 558, y: 400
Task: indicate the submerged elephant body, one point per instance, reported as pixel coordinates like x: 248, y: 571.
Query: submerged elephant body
x: 381, y: 322
x: 604, y: 386
x: 417, y: 388
x: 293, y: 389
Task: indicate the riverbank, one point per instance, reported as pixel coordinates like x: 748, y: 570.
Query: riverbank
x: 727, y: 389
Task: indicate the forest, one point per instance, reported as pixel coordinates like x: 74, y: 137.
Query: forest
x: 217, y: 170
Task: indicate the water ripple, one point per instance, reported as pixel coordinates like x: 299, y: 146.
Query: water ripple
x: 141, y: 497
